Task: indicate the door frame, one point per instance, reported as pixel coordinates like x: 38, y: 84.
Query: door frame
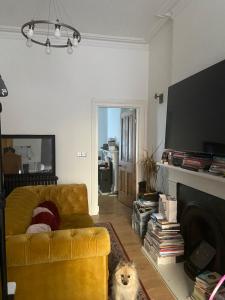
x: 141, y: 140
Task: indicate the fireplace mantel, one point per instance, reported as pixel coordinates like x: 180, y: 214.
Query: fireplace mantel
x: 168, y: 178
x: 205, y: 182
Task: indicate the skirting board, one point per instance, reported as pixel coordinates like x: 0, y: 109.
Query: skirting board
x: 175, y: 278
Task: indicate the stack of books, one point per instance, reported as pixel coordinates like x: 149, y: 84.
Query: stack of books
x: 196, y: 161
x: 142, y: 210
x: 178, y: 158
x: 163, y: 242
x: 220, y: 295
x: 218, y: 166
x: 204, y: 285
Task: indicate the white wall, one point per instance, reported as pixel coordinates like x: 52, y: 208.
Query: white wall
x: 198, y: 37
x: 159, y: 79
x: 53, y: 94
x: 108, y: 125
x: 102, y: 126
x: 114, y: 128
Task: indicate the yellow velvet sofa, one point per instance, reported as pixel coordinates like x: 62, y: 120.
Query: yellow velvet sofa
x: 67, y: 264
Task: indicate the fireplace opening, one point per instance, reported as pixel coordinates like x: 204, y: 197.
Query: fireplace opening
x: 201, y: 217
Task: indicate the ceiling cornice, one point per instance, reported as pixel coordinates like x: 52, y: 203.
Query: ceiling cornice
x: 109, y: 38
x: 180, y: 6
x: 168, y: 11
x: 16, y: 31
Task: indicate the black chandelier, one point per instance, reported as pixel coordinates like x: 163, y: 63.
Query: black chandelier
x: 51, y: 34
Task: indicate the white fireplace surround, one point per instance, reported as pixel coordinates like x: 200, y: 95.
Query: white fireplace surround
x: 205, y: 182
x: 174, y: 276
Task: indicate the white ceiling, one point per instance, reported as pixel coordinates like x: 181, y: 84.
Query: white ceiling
x: 120, y: 18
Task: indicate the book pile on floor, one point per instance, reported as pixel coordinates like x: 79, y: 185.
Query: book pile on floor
x: 205, y: 284
x: 142, y: 209
x: 218, y: 166
x: 163, y: 242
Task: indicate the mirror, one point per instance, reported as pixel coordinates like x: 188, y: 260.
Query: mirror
x: 26, y: 154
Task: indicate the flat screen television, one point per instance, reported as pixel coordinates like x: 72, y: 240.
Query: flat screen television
x: 196, y: 112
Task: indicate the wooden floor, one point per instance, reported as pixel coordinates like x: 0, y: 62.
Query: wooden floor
x: 111, y: 210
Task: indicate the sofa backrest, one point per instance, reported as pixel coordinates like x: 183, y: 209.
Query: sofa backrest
x: 69, y: 199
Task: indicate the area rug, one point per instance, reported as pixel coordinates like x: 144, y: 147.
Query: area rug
x: 118, y: 253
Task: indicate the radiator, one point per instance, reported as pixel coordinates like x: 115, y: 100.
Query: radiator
x: 11, y: 181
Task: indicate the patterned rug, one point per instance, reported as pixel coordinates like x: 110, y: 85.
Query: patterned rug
x: 118, y: 253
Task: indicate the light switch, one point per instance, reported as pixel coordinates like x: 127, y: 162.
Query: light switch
x: 81, y: 154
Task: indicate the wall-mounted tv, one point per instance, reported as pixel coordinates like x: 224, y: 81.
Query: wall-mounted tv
x: 196, y: 112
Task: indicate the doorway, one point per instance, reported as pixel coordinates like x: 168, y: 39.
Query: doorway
x: 117, y: 153
x: 140, y: 108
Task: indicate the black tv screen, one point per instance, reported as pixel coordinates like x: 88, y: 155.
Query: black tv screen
x: 196, y: 112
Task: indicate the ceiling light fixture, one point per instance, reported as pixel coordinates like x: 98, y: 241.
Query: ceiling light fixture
x: 58, y: 34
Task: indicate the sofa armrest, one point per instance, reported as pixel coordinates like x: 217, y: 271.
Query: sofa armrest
x: 60, y: 245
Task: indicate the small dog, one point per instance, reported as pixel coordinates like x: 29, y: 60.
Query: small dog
x: 125, y: 282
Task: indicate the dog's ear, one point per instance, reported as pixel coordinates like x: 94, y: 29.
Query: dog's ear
x: 132, y: 264
x: 121, y: 263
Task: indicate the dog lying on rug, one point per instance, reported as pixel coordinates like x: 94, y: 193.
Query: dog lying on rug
x: 125, y: 282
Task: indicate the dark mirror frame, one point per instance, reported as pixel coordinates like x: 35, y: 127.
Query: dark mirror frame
x: 36, y: 136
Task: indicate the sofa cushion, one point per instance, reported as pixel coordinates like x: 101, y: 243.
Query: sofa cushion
x: 36, y: 228
x: 46, y: 216
x: 51, y: 207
